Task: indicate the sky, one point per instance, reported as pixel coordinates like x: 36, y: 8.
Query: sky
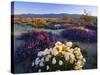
x: 47, y: 8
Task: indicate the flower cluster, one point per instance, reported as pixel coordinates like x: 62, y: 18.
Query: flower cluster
x: 60, y: 57
x: 80, y: 34
x: 34, y: 41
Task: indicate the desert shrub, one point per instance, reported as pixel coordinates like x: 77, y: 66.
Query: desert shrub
x: 60, y: 57
x: 34, y: 41
x: 83, y: 35
x: 91, y: 27
x: 39, y: 23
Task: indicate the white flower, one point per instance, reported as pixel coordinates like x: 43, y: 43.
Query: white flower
x: 47, y: 51
x: 69, y: 44
x: 63, y: 52
x: 77, y: 53
x: 50, y: 49
x: 66, y: 57
x: 71, y: 50
x: 39, y: 70
x: 54, y: 52
x: 77, y: 49
x: 78, y: 63
x: 71, y: 61
x: 79, y: 57
x: 49, y: 56
x: 37, y: 61
x: 58, y: 43
x: 68, y: 53
x: 40, y: 53
x: 41, y: 64
x: 72, y: 56
x: 47, y: 67
x: 60, y: 62
x: 53, y: 61
x: 42, y: 59
x: 32, y: 63
x: 47, y: 59
x: 84, y: 60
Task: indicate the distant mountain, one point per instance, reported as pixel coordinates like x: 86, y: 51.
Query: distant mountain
x: 50, y: 15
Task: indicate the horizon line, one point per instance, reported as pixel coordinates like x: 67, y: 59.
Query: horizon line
x: 48, y: 13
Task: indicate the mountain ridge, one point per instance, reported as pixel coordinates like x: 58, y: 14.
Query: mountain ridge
x: 51, y: 15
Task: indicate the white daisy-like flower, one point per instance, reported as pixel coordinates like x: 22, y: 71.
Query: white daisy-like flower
x: 40, y: 53
x: 49, y: 56
x: 47, y: 59
x: 66, y: 56
x: 78, y: 67
x: 42, y: 59
x: 39, y: 70
x: 79, y: 57
x: 60, y: 62
x: 67, y: 49
x: 68, y: 53
x: 69, y: 44
x: 41, y: 64
x: 33, y: 64
x: 50, y: 49
x: 37, y: 61
x: 58, y: 43
x: 79, y: 63
x: 54, y: 52
x: 63, y: 45
x: 84, y: 60
x: 71, y: 61
x: 53, y: 61
x: 63, y: 52
x: 47, y: 67
x: 71, y: 50
x: 77, y: 49
x: 47, y: 51
x: 77, y: 53
x: 72, y: 56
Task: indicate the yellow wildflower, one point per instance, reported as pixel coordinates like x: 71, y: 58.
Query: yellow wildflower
x: 69, y: 44
x: 59, y: 48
